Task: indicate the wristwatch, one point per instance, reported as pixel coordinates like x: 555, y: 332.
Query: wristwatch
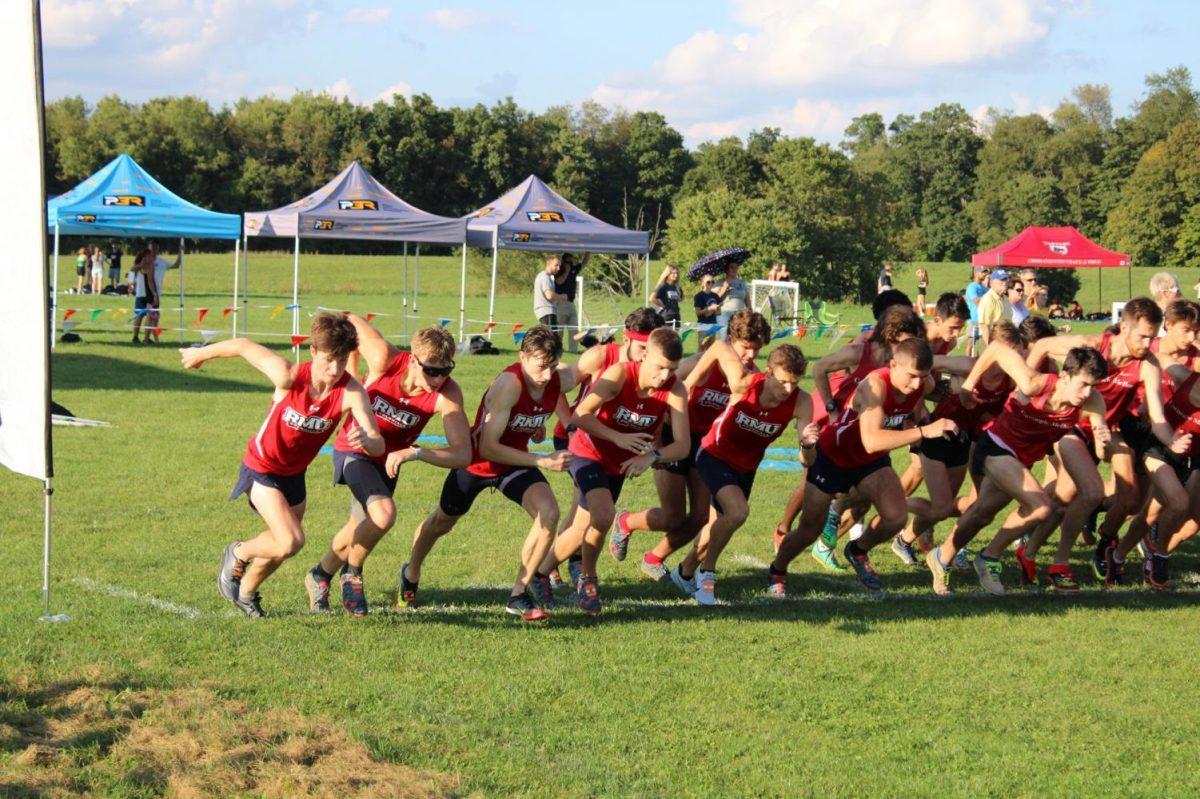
x: 830, y: 406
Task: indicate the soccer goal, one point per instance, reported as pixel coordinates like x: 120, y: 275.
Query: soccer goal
x: 597, y: 305
x: 777, y: 300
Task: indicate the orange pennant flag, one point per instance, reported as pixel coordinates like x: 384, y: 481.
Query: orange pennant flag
x: 489, y: 327
x: 800, y: 331
x: 200, y: 314
x: 371, y: 316
x: 158, y: 331
x: 298, y: 340
x: 68, y: 314
x: 226, y: 311
x: 517, y: 327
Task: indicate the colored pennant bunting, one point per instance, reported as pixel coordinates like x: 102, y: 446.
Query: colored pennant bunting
x: 228, y: 309
x: 67, y: 327
x: 684, y: 336
x: 67, y: 314
x: 801, y: 332
x: 278, y: 310
x: 297, y: 340
x: 488, y: 328
x: 517, y: 327
x: 444, y: 323
x: 200, y: 314
x: 371, y: 315
x: 96, y: 312
x: 518, y: 337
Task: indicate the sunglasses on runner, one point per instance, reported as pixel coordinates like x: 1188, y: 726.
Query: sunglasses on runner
x: 436, y: 371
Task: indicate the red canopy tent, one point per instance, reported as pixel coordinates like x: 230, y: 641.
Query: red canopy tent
x: 1052, y: 247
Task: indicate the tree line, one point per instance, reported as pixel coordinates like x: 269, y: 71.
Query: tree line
x: 932, y: 187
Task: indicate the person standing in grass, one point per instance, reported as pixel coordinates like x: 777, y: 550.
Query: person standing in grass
x: 993, y: 305
x: 406, y: 390
x: 513, y: 412
x: 114, y: 266
x: 546, y: 295
x: 732, y: 293
x: 82, y: 264
x: 98, y: 260
x: 973, y: 293
x: 922, y: 288
x: 308, y: 402
x: 566, y: 284
x: 666, y: 296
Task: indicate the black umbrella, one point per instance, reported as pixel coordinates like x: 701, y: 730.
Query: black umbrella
x: 717, y: 262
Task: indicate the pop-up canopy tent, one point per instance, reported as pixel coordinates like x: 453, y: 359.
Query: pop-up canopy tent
x: 354, y: 205
x: 533, y: 217
x: 1052, y: 247
x: 122, y: 199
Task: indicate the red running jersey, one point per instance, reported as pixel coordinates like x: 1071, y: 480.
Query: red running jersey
x: 988, y: 405
x: 625, y: 413
x: 1191, y: 360
x: 612, y: 354
x: 842, y: 441
x: 401, y: 416
x: 295, y: 427
x: 1183, y: 415
x: 1028, y: 430
x: 741, y: 434
x: 1120, y: 388
x: 527, y: 417
x: 842, y: 386
x: 708, y: 400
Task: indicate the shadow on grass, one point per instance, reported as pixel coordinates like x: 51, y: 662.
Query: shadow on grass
x: 82, y: 371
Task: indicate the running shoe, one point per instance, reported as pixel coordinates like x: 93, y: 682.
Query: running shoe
x: 1116, y: 573
x: 825, y: 555
x: 1062, y: 580
x: 618, y: 542
x: 776, y: 584
x: 1101, y: 557
x: 904, y: 551
x: 252, y: 607
x: 925, y: 541
x: 989, y: 570
x: 318, y: 593
x: 354, y: 599
x: 525, y: 608
x: 706, y: 588
x: 575, y: 570
x: 404, y: 595
x: 655, y: 571
x: 778, y: 536
x: 962, y: 561
x: 829, y: 533
x: 542, y: 592
x: 1028, y: 568
x: 1156, y: 574
x: 863, y: 569
x: 941, y: 575
x: 686, y: 586
x: 589, y: 596
x: 230, y: 576
x: 556, y: 580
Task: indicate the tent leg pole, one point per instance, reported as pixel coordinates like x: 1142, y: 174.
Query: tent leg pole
x: 417, y: 281
x: 47, y: 492
x: 404, y: 294
x: 246, y: 285
x: 296, y: 295
x: 492, y: 294
x: 462, y: 298
x: 181, y: 291
x: 54, y: 292
x: 647, y: 278
x: 1129, y: 276
x: 237, y: 255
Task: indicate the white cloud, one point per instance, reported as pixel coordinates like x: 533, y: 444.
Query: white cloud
x: 341, y: 88
x: 460, y: 19
x: 403, y: 89
x: 369, y: 16
x: 71, y: 24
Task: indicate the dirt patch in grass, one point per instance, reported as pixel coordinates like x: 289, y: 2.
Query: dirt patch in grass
x: 103, y: 737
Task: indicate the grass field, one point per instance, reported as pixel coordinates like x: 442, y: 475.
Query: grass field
x: 826, y: 694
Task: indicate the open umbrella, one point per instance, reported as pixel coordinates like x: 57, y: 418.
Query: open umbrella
x: 716, y: 263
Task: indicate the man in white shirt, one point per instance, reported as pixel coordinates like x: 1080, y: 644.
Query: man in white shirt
x: 546, y: 295
x: 154, y: 292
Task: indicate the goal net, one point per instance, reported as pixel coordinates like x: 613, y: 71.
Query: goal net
x: 777, y: 300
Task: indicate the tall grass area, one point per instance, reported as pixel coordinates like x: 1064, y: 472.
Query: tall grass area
x: 828, y: 693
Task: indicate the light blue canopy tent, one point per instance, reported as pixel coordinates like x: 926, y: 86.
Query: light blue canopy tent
x: 354, y: 205
x: 535, y: 218
x: 124, y: 200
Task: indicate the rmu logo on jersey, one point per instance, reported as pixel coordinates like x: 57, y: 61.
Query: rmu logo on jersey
x: 125, y: 199
x: 895, y: 421
x: 544, y: 216
x: 305, y: 424
x: 630, y: 419
x: 389, y: 412
x: 1058, y: 247
x: 528, y: 423
x: 323, y: 224
x: 358, y: 205
x: 757, y: 426
x: 712, y: 399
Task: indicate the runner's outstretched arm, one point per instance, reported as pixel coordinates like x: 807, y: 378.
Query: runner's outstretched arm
x: 277, y: 369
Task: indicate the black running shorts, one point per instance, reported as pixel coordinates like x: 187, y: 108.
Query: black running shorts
x: 951, y: 452
x: 590, y: 475
x: 684, y: 465
x: 461, y: 487
x: 366, y: 478
x: 833, y: 479
x: 717, y: 474
x: 290, y: 485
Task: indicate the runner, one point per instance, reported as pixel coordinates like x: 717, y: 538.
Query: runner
x: 620, y: 415
x: 309, y: 401
x: 1183, y: 413
x: 683, y: 497
x: 1078, y: 486
x: 638, y: 326
x: 1043, y: 409
x: 854, y: 454
x: 760, y: 408
x: 406, y: 389
x: 836, y: 376
x: 513, y: 411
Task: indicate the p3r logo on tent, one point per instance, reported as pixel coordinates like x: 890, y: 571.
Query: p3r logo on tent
x: 544, y: 216
x: 358, y: 205
x: 521, y: 237
x: 85, y: 217
x: 135, y: 200
x: 323, y: 224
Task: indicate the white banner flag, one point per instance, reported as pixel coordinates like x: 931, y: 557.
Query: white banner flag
x: 24, y: 302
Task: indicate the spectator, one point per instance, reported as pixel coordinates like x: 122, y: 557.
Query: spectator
x: 993, y: 306
x: 885, y: 279
x: 666, y: 296
x: 565, y: 283
x: 114, y: 266
x: 779, y: 272
x: 1056, y: 311
x: 82, y: 263
x: 1076, y: 312
x: 975, y: 291
x: 1038, y: 301
x: 1164, y: 288
x: 143, y: 276
x: 98, y: 260
x: 707, y: 305
x: 922, y: 289
x: 732, y: 292
x: 159, y: 267
x: 545, y: 298
x: 1015, y: 294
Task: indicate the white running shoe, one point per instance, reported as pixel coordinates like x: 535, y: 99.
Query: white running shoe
x: 989, y: 575
x: 706, y: 587
x: 686, y: 587
x: 904, y: 551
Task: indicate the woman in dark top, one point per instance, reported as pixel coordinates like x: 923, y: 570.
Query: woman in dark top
x: 667, y: 295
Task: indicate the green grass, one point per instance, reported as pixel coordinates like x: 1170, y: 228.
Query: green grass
x: 828, y: 694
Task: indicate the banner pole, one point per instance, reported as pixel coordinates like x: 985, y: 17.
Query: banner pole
x: 296, y: 294
x: 181, y: 291
x: 237, y: 255
x: 404, y: 294
x: 492, y: 296
x: 246, y: 284
x: 48, y: 492
x: 462, y: 298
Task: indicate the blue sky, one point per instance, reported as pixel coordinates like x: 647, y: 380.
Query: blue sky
x: 714, y: 67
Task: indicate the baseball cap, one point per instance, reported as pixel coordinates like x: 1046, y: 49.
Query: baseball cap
x: 982, y: 268
x: 999, y: 274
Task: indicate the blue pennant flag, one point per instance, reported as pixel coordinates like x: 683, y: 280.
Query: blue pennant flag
x: 444, y: 322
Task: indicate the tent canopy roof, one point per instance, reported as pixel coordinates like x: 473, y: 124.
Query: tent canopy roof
x: 122, y: 199
x: 532, y: 216
x: 354, y: 205
x: 1050, y: 247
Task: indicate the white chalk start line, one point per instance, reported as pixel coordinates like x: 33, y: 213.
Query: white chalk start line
x: 138, y: 597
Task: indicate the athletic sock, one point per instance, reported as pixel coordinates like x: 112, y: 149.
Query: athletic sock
x: 652, y: 559
x: 854, y: 549
x: 776, y: 571
x: 320, y: 575
x: 353, y: 571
